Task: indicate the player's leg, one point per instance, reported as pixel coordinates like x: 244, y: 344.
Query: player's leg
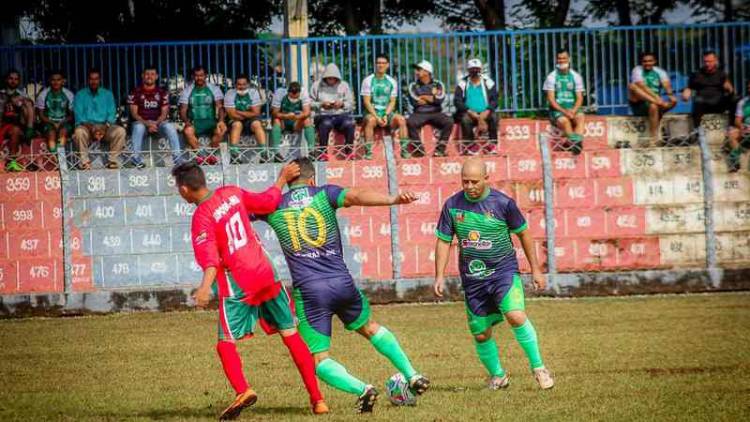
x: 217, y: 134
x: 514, y: 308
x: 399, y: 122
x: 566, y: 126
x: 51, y: 136
x: 307, y: 129
x: 15, y: 136
x: 63, y: 133
x: 259, y: 132
x: 467, y: 133
x: 236, y: 321
x: 481, y: 319
x: 278, y: 314
x: 314, y: 318
x: 235, y: 132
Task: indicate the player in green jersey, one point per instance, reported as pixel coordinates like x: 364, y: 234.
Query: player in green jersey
x: 379, y: 94
x: 54, y: 107
x: 647, y: 81
x: 564, y: 88
x: 483, y: 219
x: 308, y: 231
x: 739, y: 133
x: 243, y: 108
x: 291, y: 112
x: 202, y: 110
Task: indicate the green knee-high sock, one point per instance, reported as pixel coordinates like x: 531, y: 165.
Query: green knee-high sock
x: 385, y: 342
x: 335, y: 375
x: 489, y: 356
x: 526, y: 337
x: 310, y: 136
x: 275, y: 137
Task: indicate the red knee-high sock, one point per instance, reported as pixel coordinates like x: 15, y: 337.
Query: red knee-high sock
x: 305, y: 364
x: 232, y: 364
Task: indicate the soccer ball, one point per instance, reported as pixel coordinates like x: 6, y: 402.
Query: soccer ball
x: 399, y: 392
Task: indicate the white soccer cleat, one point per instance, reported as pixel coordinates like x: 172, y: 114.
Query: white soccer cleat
x: 544, y: 378
x: 496, y: 383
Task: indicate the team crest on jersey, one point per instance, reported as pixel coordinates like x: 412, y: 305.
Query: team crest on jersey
x: 489, y: 214
x: 300, y: 198
x: 460, y: 217
x: 474, y: 241
x: 202, y: 237
x: 477, y: 268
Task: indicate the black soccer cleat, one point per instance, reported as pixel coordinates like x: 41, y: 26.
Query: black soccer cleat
x: 367, y: 400
x: 419, y: 384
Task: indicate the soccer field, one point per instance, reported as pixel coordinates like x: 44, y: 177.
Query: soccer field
x: 636, y: 358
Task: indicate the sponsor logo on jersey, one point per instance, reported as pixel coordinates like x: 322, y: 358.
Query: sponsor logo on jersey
x: 477, y: 268
x: 202, y: 237
x: 474, y: 241
x: 300, y: 198
x: 460, y: 217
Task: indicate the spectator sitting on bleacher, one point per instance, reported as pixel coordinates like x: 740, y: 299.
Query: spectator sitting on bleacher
x: 149, y: 109
x: 713, y: 89
x: 202, y: 110
x: 333, y: 102
x: 644, y: 92
x: 95, y: 116
x: 379, y: 94
x: 243, y: 108
x: 291, y: 112
x: 54, y: 106
x: 18, y: 113
x: 426, y: 96
x: 739, y: 133
x: 475, y: 99
x: 564, y: 88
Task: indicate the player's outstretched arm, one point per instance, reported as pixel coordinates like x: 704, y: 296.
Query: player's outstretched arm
x: 287, y: 174
x: 203, y: 294
x: 442, y: 253
x: 528, y: 248
x: 371, y: 198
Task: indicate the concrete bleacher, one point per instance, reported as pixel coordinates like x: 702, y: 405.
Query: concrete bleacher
x: 615, y: 209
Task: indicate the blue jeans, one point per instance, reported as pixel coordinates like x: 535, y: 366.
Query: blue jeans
x: 166, y: 129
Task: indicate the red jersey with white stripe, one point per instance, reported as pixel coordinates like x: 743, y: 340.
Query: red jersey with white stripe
x: 223, y: 238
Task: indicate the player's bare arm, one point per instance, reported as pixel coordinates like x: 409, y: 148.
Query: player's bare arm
x: 288, y: 173
x: 371, y: 198
x: 203, y: 294
x: 540, y: 283
x: 442, y: 253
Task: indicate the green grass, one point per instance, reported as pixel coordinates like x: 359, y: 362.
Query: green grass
x: 639, y: 358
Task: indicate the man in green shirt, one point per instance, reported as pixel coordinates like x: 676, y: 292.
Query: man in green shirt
x: 291, y: 111
x: 644, y: 92
x: 379, y: 94
x: 95, y: 116
x: 739, y: 132
x: 564, y: 88
x: 243, y: 108
x: 54, y: 107
x: 483, y: 220
x: 202, y: 110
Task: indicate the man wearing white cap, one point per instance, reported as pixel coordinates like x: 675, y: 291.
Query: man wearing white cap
x: 426, y: 96
x: 475, y: 99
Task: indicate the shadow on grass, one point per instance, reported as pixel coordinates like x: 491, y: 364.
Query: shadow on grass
x: 204, y: 412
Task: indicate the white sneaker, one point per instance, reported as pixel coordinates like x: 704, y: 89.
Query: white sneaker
x: 496, y: 383
x: 544, y: 377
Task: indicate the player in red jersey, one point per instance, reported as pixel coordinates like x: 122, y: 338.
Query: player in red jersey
x: 230, y: 253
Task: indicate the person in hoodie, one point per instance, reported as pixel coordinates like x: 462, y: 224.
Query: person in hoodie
x: 333, y: 102
x: 475, y: 99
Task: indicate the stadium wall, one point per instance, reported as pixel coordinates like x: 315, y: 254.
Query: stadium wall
x: 627, y: 220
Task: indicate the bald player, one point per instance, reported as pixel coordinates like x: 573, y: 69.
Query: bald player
x: 483, y: 219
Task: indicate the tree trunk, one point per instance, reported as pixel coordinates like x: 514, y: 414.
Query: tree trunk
x: 492, y: 12
x: 351, y: 26
x: 376, y: 17
x: 728, y: 11
x: 623, y: 12
x: 561, y: 13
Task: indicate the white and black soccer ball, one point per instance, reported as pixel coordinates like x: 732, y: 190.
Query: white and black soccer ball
x: 399, y: 392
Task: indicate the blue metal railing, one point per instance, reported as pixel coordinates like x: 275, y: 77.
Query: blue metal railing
x: 518, y: 60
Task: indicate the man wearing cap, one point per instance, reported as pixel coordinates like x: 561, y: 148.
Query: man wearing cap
x: 426, y: 96
x: 333, y: 103
x: 475, y: 99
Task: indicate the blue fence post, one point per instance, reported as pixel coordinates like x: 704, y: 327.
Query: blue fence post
x: 514, y: 79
